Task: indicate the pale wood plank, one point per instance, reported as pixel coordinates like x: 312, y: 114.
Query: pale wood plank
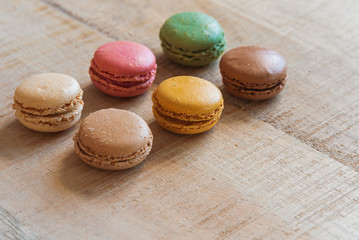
x: 10, y: 228
x: 320, y: 39
x: 243, y: 179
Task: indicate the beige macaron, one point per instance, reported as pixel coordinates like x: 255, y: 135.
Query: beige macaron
x: 48, y: 102
x: 113, y: 139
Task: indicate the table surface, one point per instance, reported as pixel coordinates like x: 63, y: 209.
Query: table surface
x: 285, y: 168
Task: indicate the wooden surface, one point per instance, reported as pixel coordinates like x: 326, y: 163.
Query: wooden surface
x: 286, y: 168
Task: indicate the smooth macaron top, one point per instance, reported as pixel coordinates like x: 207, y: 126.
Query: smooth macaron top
x: 47, y: 90
x: 114, y: 132
x: 254, y: 66
x: 188, y: 95
x: 124, y: 58
x: 191, y: 31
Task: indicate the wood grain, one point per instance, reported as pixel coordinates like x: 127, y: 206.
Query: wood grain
x: 280, y: 169
x: 320, y: 105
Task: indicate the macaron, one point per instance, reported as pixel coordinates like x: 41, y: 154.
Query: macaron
x: 123, y: 69
x: 192, y: 39
x: 187, y: 105
x: 113, y: 139
x: 253, y: 73
x: 48, y: 102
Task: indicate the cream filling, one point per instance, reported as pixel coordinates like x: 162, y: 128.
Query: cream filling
x: 252, y: 91
x: 92, y: 156
x: 185, y: 117
x: 210, y: 53
x: 251, y: 86
x: 68, y: 107
x: 182, y: 124
x: 51, y: 120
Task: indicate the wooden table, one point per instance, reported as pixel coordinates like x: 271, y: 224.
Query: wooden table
x: 286, y: 168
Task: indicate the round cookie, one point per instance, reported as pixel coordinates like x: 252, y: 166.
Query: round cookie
x: 113, y: 139
x: 48, y: 102
x: 187, y: 105
x: 192, y: 38
x: 123, y: 68
x: 253, y: 73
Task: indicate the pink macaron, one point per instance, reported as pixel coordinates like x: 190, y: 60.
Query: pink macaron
x: 123, y: 68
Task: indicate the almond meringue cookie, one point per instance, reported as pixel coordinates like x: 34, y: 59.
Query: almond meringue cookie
x: 123, y: 68
x: 187, y: 105
x: 48, y: 102
x: 192, y: 39
x: 113, y: 139
x: 253, y: 72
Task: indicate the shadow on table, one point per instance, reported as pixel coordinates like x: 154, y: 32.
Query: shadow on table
x: 17, y: 140
x: 82, y: 179
x: 87, y: 181
x: 248, y: 105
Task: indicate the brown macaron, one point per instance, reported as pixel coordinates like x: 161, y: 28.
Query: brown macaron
x: 113, y: 139
x: 253, y: 73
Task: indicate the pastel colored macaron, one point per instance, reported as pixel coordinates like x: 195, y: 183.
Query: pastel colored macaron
x: 123, y: 69
x: 192, y: 38
x: 113, y: 139
x: 187, y: 105
x: 48, y: 102
x: 253, y: 73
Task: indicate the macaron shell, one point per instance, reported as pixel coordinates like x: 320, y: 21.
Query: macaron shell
x: 47, y: 90
x: 188, y: 95
x: 191, y: 31
x: 253, y: 67
x: 114, y: 132
x: 124, y: 58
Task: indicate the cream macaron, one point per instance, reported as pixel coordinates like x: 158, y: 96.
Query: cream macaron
x: 113, y: 139
x: 48, y: 102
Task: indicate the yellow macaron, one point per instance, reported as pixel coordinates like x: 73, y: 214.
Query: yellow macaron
x: 187, y: 105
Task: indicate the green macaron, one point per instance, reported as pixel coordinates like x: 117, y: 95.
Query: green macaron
x: 192, y: 39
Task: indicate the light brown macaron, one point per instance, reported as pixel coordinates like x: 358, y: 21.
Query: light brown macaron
x: 253, y: 73
x: 48, y: 102
x: 113, y: 139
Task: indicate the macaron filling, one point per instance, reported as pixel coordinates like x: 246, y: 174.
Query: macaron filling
x: 183, y: 124
x: 254, y: 88
x: 181, y: 120
x: 123, y: 81
x: 186, y: 117
x: 50, y: 120
x: 253, y: 91
x: 50, y: 116
x: 105, y: 160
x: 181, y: 54
x: 252, y: 85
x: 67, y: 107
